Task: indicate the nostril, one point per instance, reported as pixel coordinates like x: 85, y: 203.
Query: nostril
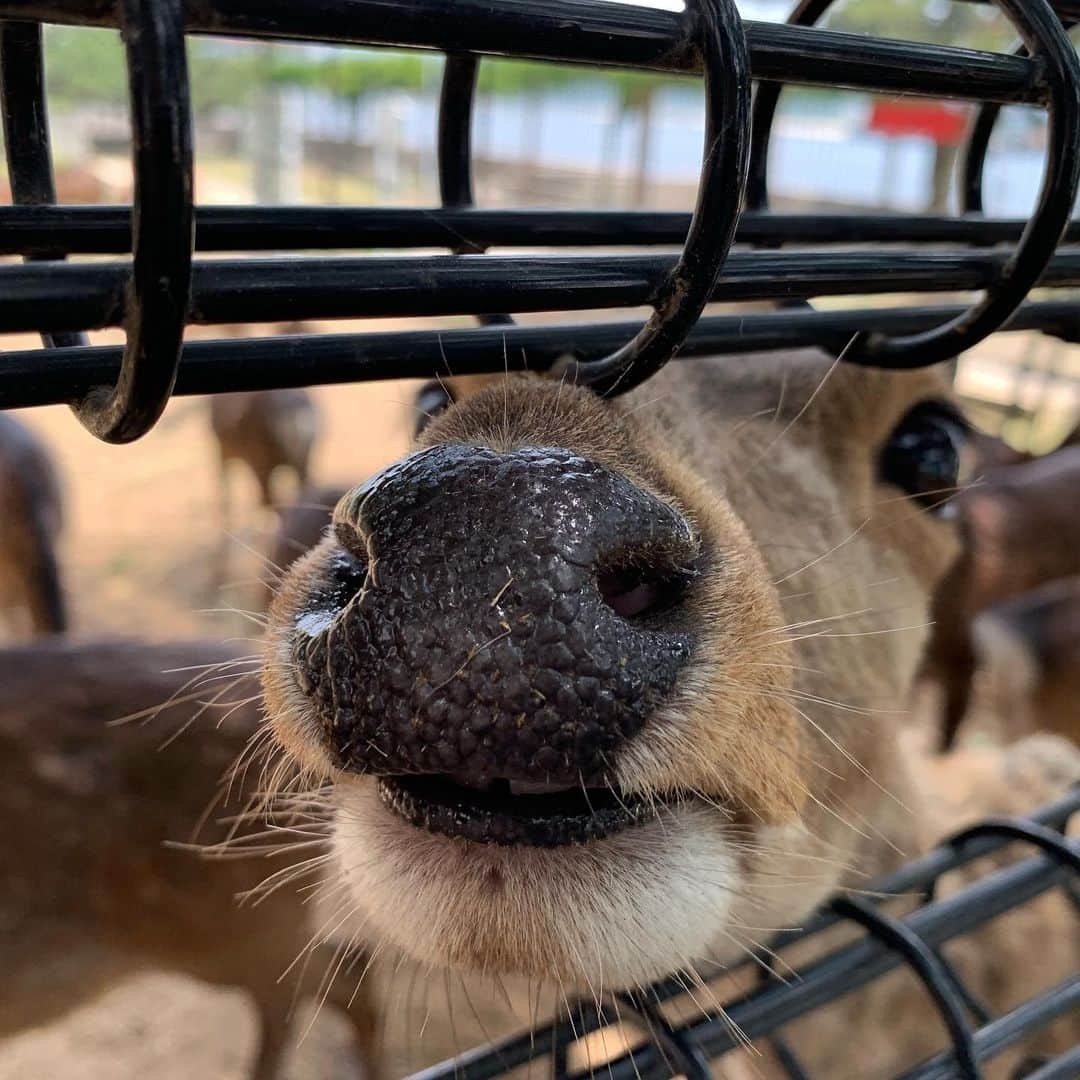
x: 635, y: 588
x: 347, y: 569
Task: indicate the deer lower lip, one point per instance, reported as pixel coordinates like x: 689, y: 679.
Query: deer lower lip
x: 497, y: 816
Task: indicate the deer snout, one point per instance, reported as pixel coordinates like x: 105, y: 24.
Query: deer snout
x: 496, y: 617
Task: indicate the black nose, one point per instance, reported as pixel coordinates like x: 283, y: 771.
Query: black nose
x: 519, y: 617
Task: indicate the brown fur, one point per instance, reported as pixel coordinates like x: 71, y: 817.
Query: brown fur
x: 92, y: 885
x: 786, y: 722
x: 30, y: 521
x: 265, y: 430
x: 1032, y: 644
x: 1021, y: 529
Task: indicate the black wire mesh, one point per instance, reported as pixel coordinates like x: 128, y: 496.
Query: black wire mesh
x: 971, y: 1035
x: 119, y: 394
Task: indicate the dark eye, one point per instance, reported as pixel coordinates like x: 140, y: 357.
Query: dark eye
x: 925, y: 453
x: 431, y: 399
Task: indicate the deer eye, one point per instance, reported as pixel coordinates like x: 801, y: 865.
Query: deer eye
x: 925, y: 456
x: 431, y: 399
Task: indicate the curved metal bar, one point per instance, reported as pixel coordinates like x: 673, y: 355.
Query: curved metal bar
x: 971, y: 176
x: 766, y: 99
x: 1045, y: 37
x: 682, y: 297
x: 455, y: 130
x: 456, y: 101
x: 26, y: 136
x: 163, y: 233
x: 927, y: 966
x: 682, y: 1057
x: 786, y: 1057
x: 1050, y: 841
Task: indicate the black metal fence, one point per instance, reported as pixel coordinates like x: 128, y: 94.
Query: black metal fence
x: 973, y: 1034
x: 733, y: 248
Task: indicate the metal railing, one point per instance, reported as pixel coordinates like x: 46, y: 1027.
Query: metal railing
x: 971, y: 1035
x: 725, y: 255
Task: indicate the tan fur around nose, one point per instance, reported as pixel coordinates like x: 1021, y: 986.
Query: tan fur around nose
x: 787, y: 722
x: 810, y: 620
x: 755, y: 451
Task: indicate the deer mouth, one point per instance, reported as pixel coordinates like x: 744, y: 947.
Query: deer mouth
x: 510, y: 813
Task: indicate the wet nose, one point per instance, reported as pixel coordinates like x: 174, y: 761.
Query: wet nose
x: 510, y: 615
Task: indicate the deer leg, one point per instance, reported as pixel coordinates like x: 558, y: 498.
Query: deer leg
x: 221, y: 559
x: 957, y: 670
x: 265, y: 478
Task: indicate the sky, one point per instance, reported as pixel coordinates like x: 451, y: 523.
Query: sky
x: 776, y: 10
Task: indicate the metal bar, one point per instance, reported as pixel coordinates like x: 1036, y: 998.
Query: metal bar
x: 919, y: 874
x: 1005, y: 1031
x: 837, y: 975
x: 938, y: 979
x: 156, y: 289
x: 718, y: 33
x: 1044, y: 35
x: 477, y: 1064
x: 26, y: 134
x: 106, y: 230
x: 593, y: 32
x: 454, y: 141
x: 1065, y: 1067
x: 36, y: 377
x: 65, y: 297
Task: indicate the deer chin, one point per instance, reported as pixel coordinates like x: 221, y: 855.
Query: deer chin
x: 618, y: 911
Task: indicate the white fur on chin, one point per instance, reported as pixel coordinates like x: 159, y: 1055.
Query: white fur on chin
x: 611, y: 914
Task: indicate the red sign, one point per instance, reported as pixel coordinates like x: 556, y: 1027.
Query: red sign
x: 942, y: 122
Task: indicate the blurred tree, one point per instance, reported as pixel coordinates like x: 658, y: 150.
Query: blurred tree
x: 85, y: 66
x: 973, y: 26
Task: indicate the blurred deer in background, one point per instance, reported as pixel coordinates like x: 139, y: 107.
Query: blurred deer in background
x: 304, y: 523
x: 31, y: 516
x: 98, y: 882
x: 1021, y: 528
x: 268, y: 432
x: 300, y: 527
x: 1032, y: 644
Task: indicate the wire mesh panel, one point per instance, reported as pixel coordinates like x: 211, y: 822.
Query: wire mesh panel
x: 119, y: 393
x: 974, y: 1036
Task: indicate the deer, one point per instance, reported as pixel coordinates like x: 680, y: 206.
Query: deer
x: 1020, y: 530
x: 594, y: 686
x: 265, y: 430
x: 269, y: 433
x: 120, y: 801
x: 1033, y: 643
x: 300, y: 526
x: 31, y: 517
